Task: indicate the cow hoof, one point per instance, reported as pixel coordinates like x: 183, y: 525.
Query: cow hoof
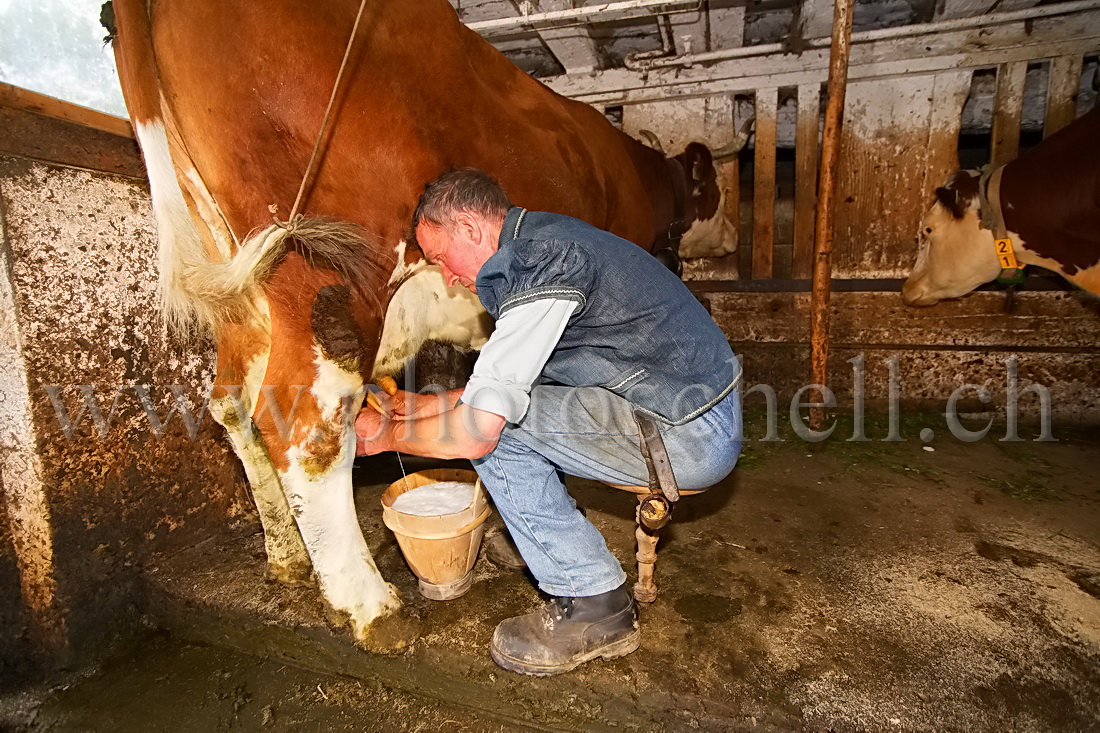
x: 296, y: 575
x: 390, y: 634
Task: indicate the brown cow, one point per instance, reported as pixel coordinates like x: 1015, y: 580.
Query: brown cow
x: 1050, y: 199
x: 227, y: 99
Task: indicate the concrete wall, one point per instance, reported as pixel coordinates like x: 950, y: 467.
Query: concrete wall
x: 1054, y: 337
x: 87, y: 504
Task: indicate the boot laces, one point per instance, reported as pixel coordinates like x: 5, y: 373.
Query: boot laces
x: 558, y: 609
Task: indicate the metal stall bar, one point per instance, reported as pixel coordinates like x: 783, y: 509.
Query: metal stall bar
x: 823, y: 239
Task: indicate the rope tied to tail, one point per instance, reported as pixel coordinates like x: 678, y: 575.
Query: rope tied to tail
x: 293, y: 223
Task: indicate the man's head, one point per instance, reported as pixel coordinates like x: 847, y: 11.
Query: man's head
x: 457, y: 223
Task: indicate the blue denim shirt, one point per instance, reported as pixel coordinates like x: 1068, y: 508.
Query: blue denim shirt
x: 637, y: 332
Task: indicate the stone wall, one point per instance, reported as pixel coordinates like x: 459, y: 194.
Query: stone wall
x: 89, y: 496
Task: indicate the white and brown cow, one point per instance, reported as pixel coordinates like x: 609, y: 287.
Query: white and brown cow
x: 1050, y: 199
x: 227, y: 99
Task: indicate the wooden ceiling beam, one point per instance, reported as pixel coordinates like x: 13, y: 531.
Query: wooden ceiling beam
x: 944, y: 50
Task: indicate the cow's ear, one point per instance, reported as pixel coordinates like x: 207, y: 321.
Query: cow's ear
x: 949, y: 198
x: 698, y: 166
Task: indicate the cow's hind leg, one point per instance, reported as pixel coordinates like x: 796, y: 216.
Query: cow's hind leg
x: 240, y: 379
x: 314, y: 450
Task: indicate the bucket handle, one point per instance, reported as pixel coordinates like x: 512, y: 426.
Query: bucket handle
x: 465, y: 529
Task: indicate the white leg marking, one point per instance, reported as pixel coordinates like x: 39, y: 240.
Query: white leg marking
x: 423, y: 309
x: 334, y: 385
x: 325, y: 512
x: 287, y: 557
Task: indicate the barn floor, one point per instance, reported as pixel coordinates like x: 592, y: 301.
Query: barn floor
x: 846, y: 586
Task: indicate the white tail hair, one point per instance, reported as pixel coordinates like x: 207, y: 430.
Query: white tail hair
x: 215, y: 293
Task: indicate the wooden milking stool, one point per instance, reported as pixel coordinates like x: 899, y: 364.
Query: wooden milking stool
x: 655, y: 502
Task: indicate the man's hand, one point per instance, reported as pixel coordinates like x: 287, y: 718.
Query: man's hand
x: 410, y: 405
x: 464, y: 432
x: 371, y: 434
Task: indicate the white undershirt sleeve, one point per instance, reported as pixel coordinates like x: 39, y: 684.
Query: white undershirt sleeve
x: 513, y: 357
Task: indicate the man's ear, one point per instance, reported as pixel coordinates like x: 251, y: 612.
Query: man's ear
x: 467, y: 224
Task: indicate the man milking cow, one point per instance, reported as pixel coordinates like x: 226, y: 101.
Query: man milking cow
x: 590, y: 331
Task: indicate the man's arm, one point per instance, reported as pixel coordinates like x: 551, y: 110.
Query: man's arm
x: 498, y: 391
x: 463, y: 432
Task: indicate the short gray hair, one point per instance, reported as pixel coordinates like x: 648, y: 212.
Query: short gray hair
x: 466, y: 189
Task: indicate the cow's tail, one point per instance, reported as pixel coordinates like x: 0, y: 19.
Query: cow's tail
x: 194, y: 286
x: 224, y: 292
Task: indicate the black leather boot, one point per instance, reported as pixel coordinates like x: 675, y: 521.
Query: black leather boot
x: 567, y: 632
x: 501, y: 550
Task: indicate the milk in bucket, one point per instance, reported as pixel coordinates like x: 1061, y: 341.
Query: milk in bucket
x: 438, y: 518
x: 443, y: 497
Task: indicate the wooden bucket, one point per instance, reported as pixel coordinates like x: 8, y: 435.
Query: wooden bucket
x: 441, y: 549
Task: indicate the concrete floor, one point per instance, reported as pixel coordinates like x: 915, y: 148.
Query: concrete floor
x: 843, y: 586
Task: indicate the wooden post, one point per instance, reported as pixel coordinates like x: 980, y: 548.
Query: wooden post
x: 805, y: 178
x: 823, y: 239
x: 1065, y: 80
x: 763, y: 186
x: 1008, y: 110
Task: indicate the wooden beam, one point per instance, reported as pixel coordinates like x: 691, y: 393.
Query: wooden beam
x: 805, y: 178
x: 1008, y: 111
x: 1041, y: 38
x: 1065, y: 82
x: 763, y: 191
x: 24, y: 99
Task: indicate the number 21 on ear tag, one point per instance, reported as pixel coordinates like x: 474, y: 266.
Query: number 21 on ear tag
x: 1006, y: 254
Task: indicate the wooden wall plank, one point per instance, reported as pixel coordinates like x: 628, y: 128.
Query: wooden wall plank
x: 1065, y: 81
x: 24, y: 99
x: 763, y: 209
x: 1008, y: 111
x: 1052, y: 321
x: 949, y: 94
x: 807, y: 141
x: 51, y: 140
x: 895, y: 137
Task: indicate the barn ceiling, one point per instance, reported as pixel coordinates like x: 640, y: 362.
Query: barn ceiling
x: 609, y: 34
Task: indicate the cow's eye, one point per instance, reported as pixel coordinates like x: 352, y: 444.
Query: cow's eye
x: 928, y: 230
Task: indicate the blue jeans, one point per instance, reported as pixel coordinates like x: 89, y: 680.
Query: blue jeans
x: 590, y: 432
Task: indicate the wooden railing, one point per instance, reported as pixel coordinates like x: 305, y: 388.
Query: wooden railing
x: 23, y: 99
x: 900, y: 140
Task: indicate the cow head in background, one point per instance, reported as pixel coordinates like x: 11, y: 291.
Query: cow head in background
x: 707, y: 232
x: 956, y: 254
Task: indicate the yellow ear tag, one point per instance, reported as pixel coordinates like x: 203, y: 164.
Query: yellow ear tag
x: 1006, y: 254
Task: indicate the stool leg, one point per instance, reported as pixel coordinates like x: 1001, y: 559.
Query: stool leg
x: 645, y: 590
